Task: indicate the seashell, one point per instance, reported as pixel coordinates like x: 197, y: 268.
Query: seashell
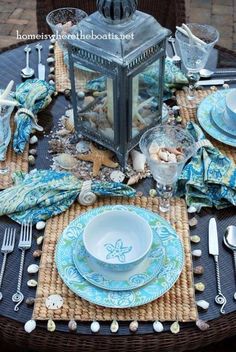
x: 31, y: 160
x: 198, y: 270
x: 30, y: 301
x: 175, y: 327
x: 37, y: 253
x: 69, y: 113
x: 63, y: 132
x: 114, y: 326
x: 40, y: 225
x: 82, y: 147
x: 32, y: 283
x: 155, y: 157
x: 81, y: 94
x: 138, y: 160
x: 66, y: 161
x: 29, y: 326
x: 33, y: 152
x: 33, y: 269
x: 199, y: 286
x: 87, y: 197
x: 175, y: 151
x: 135, y: 179
x: 195, y: 239
x: 152, y: 193
x: 72, y: 325
x: 52, y: 69
x: 33, y: 140
x: 133, y: 326
x: 193, y: 222
x: 192, y: 210
x: 172, y: 158
x: 51, y: 326
x: 117, y: 176
x: 197, y: 253
x: 53, y: 41
x: 204, y: 305
x: 51, y: 82
x: 39, y: 240
x: 95, y: 327
x: 158, y: 326
x: 154, y: 148
x: 69, y: 124
x: 50, y: 60
x: 163, y: 156
x: 202, y: 325
x: 54, y: 302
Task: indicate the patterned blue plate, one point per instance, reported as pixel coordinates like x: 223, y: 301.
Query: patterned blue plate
x: 119, y: 281
x: 172, y: 265
x: 205, y: 119
x: 219, y: 116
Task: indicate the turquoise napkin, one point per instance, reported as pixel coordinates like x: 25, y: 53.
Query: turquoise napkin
x: 33, y: 96
x: 209, y: 179
x: 42, y: 194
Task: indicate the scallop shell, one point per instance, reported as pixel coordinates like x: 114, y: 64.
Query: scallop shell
x: 158, y: 326
x: 65, y: 161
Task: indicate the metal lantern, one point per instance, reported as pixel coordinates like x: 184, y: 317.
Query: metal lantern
x: 116, y: 61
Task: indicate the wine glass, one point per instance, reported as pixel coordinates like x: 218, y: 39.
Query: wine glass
x: 195, y: 54
x: 171, y: 140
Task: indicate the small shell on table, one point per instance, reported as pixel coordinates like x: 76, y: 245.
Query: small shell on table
x: 82, y: 147
x: 66, y: 161
x: 138, y: 160
x: 135, y: 179
x: 117, y: 176
x: 32, y: 283
x: 40, y: 225
x: 33, y: 269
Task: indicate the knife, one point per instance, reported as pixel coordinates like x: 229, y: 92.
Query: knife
x: 213, y: 246
x: 41, y: 67
x: 214, y: 82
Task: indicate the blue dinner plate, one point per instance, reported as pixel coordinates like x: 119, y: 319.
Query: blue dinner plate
x: 206, y: 121
x: 119, y: 281
x: 172, y: 264
x: 219, y: 116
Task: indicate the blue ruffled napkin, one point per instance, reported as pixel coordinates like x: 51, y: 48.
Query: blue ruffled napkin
x: 209, y: 179
x: 42, y: 194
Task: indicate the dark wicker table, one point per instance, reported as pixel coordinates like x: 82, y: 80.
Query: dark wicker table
x: 189, y: 338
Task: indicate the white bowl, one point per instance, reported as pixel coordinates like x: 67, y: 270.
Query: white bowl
x: 118, y: 239
x: 230, y: 101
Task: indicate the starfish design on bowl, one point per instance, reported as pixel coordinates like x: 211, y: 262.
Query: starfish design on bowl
x: 118, y: 250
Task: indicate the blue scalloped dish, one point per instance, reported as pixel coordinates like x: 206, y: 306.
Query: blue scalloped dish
x: 219, y: 116
x: 119, y: 281
x: 171, y: 268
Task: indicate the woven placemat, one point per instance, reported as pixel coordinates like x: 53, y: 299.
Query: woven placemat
x: 191, y: 115
x: 177, y: 303
x: 14, y: 162
x: 62, y: 79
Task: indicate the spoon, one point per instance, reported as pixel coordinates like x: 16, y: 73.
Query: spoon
x: 27, y: 71
x: 230, y: 242
x: 205, y: 73
x: 176, y: 59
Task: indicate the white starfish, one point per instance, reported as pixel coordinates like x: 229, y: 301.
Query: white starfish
x: 4, y: 96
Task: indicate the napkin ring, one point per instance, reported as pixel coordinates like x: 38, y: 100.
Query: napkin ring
x: 203, y: 143
x: 86, y: 196
x: 33, y: 117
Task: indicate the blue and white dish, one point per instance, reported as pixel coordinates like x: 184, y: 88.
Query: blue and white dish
x: 206, y: 121
x: 117, y: 240
x: 230, y: 103
x: 219, y: 116
x: 119, y: 281
x: 172, y: 265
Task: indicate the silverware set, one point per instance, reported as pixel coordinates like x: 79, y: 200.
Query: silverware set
x: 28, y: 72
x: 229, y: 240
x: 25, y: 242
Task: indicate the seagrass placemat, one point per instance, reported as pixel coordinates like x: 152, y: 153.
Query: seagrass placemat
x: 62, y: 79
x: 177, y: 303
x: 14, y: 162
x: 191, y: 115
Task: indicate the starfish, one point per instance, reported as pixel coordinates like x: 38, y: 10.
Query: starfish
x: 118, y: 250
x: 98, y: 158
x: 5, y: 94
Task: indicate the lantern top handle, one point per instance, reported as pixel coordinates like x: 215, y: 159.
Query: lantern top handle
x: 117, y: 11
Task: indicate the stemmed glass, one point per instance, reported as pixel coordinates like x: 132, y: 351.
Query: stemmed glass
x: 195, y: 54
x: 169, y: 140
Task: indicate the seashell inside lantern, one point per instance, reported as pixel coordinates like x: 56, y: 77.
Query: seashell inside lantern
x: 66, y: 161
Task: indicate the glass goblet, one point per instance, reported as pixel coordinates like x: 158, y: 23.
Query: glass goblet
x: 167, y: 149
x: 195, y: 54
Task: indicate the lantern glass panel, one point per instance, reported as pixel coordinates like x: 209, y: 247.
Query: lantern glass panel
x: 96, y: 109
x: 145, y: 98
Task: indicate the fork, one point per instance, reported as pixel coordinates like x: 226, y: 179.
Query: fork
x: 7, y: 247
x: 24, y: 244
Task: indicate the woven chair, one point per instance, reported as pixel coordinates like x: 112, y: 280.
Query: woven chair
x: 169, y: 13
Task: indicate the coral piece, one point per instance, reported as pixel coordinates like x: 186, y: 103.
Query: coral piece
x: 98, y: 158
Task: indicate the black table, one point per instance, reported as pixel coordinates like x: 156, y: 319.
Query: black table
x: 11, y: 323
